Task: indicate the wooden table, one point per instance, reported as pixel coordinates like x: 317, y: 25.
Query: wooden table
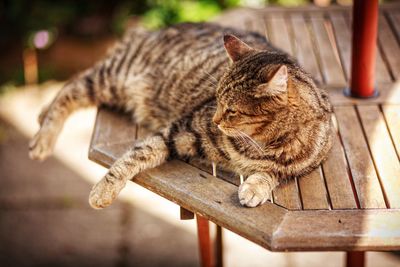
x: 352, y: 201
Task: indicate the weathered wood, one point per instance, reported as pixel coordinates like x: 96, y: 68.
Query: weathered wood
x: 313, y: 191
x: 287, y: 195
x: 345, y: 230
x: 330, y: 64
x: 303, y: 47
x: 125, y: 128
x: 390, y: 46
x: 337, y: 178
x: 383, y: 153
x: 362, y: 168
x: 278, y: 32
x: 394, y: 17
x: 392, y: 116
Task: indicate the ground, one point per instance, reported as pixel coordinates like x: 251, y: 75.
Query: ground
x: 45, y: 219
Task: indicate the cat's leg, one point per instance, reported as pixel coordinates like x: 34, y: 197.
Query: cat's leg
x: 174, y: 142
x: 149, y: 153
x: 73, y: 95
x: 257, y: 189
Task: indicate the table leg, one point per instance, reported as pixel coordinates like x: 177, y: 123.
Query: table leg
x: 218, y: 248
x: 355, y: 259
x: 205, y: 246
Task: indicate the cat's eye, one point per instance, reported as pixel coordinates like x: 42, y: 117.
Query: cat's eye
x: 231, y: 111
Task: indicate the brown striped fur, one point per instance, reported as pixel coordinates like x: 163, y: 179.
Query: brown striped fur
x: 255, y: 111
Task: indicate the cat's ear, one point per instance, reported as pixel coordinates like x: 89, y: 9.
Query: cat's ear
x: 235, y: 47
x: 276, y: 85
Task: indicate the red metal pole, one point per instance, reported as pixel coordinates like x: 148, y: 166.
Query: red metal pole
x: 205, y: 246
x: 365, y: 26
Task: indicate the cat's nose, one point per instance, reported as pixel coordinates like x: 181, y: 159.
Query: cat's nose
x: 216, y: 120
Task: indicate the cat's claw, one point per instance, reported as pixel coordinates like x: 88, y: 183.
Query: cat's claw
x: 252, y: 193
x: 103, y: 193
x: 41, y: 146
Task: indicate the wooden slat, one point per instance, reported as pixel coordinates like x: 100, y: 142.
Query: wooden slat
x: 278, y: 32
x: 394, y: 17
x: 390, y: 46
x: 257, y: 24
x: 313, y: 191
x: 347, y: 229
x: 343, y: 41
x: 383, y: 153
x: 287, y: 196
x: 392, y: 116
x: 337, y: 178
x: 362, y: 168
x: 304, y: 51
x: 330, y: 64
x: 236, y: 18
x: 127, y: 132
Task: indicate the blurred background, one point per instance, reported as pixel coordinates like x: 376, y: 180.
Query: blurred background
x: 44, y: 216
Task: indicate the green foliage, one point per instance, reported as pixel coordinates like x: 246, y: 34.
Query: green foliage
x: 172, y: 11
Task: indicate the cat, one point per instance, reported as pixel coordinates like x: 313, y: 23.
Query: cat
x: 206, y: 92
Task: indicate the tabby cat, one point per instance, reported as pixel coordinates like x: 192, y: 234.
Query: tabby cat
x: 206, y: 92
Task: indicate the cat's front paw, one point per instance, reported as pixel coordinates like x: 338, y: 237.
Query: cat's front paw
x: 104, y: 192
x: 41, y: 145
x: 254, y: 191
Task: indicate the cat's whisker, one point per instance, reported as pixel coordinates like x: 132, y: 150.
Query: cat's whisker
x: 215, y: 79
x: 211, y: 82
x: 211, y: 107
x: 252, y: 141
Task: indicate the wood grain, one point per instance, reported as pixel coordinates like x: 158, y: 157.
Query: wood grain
x: 392, y: 116
x: 278, y: 32
x: 338, y: 180
x: 330, y: 64
x: 362, y: 168
x: 390, y: 46
x: 383, y: 153
x: 344, y: 230
x: 304, y: 51
x: 313, y: 191
x: 287, y: 195
x: 394, y: 17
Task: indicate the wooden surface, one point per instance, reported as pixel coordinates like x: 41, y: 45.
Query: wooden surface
x: 352, y: 201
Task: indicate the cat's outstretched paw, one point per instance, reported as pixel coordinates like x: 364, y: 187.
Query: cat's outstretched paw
x: 104, y: 192
x: 41, y: 146
x: 254, y: 191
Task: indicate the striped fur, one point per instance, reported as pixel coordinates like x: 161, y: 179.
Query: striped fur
x: 257, y: 113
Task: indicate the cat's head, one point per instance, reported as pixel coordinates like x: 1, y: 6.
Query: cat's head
x: 256, y: 90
